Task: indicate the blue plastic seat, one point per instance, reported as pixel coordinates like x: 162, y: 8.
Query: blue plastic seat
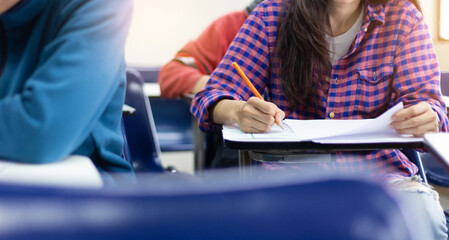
x: 173, y: 124
x: 276, y: 209
x: 171, y: 116
x: 141, y: 137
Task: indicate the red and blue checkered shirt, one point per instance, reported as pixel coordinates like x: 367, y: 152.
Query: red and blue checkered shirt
x: 392, y: 59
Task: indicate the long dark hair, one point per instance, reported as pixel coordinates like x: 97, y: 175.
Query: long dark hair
x: 302, y: 50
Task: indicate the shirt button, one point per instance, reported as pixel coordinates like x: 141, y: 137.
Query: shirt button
x: 335, y: 80
x: 332, y: 115
x: 365, y: 29
x: 328, y: 79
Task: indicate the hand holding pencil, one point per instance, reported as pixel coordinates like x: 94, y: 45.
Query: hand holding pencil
x: 258, y: 115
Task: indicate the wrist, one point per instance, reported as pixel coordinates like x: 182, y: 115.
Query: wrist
x: 226, y: 111
x: 438, y: 121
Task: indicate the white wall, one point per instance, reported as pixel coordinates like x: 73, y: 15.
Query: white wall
x: 161, y: 27
x: 431, y: 13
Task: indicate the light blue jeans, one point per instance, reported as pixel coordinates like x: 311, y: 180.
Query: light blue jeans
x: 423, y: 200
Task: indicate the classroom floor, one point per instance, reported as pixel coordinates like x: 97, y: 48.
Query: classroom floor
x: 182, y: 161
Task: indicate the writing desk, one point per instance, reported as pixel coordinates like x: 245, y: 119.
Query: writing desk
x: 247, y: 149
x: 152, y: 89
x: 72, y: 171
x: 438, y: 145
x: 128, y: 110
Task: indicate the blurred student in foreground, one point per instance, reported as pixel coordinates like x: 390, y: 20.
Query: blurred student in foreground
x: 190, y: 70
x: 62, y: 81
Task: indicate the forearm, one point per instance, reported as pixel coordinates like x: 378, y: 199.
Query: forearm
x: 200, y: 84
x: 176, y: 79
x: 226, y: 111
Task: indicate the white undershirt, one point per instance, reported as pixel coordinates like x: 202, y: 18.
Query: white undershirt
x: 339, y: 45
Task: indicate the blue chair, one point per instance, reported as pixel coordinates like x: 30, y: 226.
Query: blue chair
x: 171, y: 116
x: 141, y: 137
x: 444, y: 82
x: 173, y: 124
x: 324, y: 208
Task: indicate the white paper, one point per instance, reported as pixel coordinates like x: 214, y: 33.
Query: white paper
x: 73, y: 171
x: 439, y: 143
x: 327, y: 131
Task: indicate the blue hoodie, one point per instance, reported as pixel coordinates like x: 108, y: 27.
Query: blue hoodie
x: 62, y: 81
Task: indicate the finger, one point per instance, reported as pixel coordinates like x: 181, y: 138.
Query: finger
x: 425, y: 118
x: 269, y: 111
x: 253, y: 125
x: 264, y: 106
x: 411, y: 111
x: 252, y: 115
x: 279, y: 116
x: 418, y: 131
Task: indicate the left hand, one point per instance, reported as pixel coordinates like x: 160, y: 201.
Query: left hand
x: 416, y: 120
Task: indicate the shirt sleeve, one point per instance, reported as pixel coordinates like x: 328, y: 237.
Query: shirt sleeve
x: 176, y: 78
x: 250, y: 50
x: 417, y: 71
x: 73, y: 84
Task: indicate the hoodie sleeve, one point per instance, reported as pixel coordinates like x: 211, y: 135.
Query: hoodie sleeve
x: 73, y: 84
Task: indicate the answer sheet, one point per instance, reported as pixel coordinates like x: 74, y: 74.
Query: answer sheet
x: 327, y: 131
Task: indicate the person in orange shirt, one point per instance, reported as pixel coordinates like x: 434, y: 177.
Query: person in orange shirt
x: 189, y: 70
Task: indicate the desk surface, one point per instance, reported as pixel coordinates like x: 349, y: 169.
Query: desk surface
x: 152, y: 89
x: 73, y: 171
x: 438, y: 144
x: 128, y: 110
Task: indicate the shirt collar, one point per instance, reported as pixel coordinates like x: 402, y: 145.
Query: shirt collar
x: 374, y: 13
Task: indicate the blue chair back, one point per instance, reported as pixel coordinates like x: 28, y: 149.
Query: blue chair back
x: 444, y: 82
x: 321, y: 209
x: 140, y: 128
x: 171, y: 116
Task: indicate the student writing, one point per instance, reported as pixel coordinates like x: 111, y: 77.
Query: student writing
x: 334, y: 59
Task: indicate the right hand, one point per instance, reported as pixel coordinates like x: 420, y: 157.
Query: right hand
x: 257, y: 116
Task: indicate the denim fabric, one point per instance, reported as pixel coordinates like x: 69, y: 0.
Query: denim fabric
x: 424, y: 200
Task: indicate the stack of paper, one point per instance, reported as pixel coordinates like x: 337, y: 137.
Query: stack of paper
x: 375, y: 130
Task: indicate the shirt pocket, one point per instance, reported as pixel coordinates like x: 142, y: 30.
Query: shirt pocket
x: 373, y: 89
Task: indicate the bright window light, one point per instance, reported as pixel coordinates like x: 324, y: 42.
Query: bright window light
x: 444, y: 19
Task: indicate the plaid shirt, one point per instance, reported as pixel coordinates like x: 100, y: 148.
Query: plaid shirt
x: 391, y: 60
